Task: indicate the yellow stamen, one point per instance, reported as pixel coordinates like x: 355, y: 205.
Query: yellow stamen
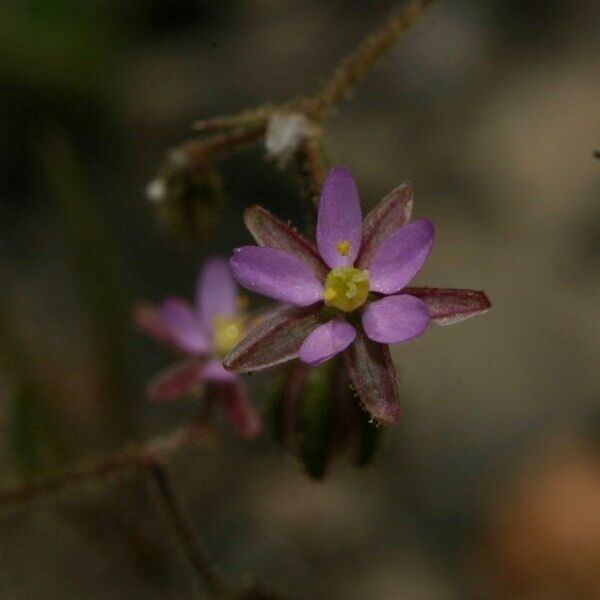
x: 343, y: 247
x: 227, y: 333
x: 329, y: 294
x: 346, y: 288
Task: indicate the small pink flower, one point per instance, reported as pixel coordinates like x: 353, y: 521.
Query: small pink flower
x: 348, y: 296
x: 204, y: 333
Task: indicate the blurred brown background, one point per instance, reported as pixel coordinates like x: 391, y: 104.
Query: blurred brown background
x: 490, y: 486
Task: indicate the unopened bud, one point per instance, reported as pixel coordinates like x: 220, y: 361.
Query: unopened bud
x: 188, y: 193
x: 316, y: 417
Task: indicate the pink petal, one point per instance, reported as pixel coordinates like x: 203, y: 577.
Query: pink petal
x: 216, y: 291
x: 182, y: 322
x: 373, y: 376
x: 395, y: 319
x: 239, y: 409
x: 215, y: 372
x: 340, y: 218
x: 269, y: 231
x: 179, y: 380
x: 386, y: 217
x: 401, y: 256
x: 447, y: 306
x: 276, y: 274
x: 326, y: 341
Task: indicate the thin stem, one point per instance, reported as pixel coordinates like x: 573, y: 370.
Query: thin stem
x: 196, y: 556
x: 246, y: 118
x: 317, y: 161
x: 357, y: 65
x: 314, y: 165
x: 121, y: 462
x: 220, y: 145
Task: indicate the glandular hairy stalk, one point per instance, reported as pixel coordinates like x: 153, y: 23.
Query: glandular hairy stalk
x: 220, y: 137
x: 355, y: 67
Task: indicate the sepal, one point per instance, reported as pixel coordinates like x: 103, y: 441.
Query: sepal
x: 271, y: 232
x: 179, y: 380
x: 275, y: 339
x: 449, y: 306
x: 373, y: 376
x: 315, y: 417
x: 386, y: 217
x: 238, y: 408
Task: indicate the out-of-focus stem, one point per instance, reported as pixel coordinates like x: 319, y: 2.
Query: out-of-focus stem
x: 121, y: 462
x: 246, y: 118
x: 220, y: 145
x: 315, y: 164
x: 357, y: 65
x: 196, y: 556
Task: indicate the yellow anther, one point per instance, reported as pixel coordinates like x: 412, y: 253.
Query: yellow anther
x: 343, y: 247
x: 346, y: 288
x: 329, y: 294
x: 227, y: 333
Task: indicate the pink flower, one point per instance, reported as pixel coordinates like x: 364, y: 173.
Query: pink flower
x: 348, y: 296
x: 204, y: 333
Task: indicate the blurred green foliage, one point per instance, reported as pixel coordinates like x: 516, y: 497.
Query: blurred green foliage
x: 99, y: 267
x: 63, y: 45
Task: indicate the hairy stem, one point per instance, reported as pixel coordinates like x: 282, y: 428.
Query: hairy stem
x: 195, y: 555
x: 220, y: 145
x: 246, y: 118
x: 121, y: 462
x: 315, y: 165
x: 357, y: 65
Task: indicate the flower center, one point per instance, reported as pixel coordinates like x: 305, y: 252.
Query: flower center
x: 346, y: 288
x: 227, y: 333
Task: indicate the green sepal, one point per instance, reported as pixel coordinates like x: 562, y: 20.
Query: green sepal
x: 315, y: 421
x: 369, y: 440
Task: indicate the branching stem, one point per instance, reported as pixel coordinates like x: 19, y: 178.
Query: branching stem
x: 124, y: 461
x: 246, y: 118
x: 229, y: 134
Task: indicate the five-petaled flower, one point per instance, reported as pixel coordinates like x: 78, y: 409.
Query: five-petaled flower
x: 204, y: 333
x: 348, y: 296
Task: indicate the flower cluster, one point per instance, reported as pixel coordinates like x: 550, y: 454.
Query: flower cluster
x: 204, y: 334
x: 345, y: 295
x: 348, y: 294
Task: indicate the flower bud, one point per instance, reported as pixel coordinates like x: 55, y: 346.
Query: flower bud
x: 316, y: 417
x: 188, y: 193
